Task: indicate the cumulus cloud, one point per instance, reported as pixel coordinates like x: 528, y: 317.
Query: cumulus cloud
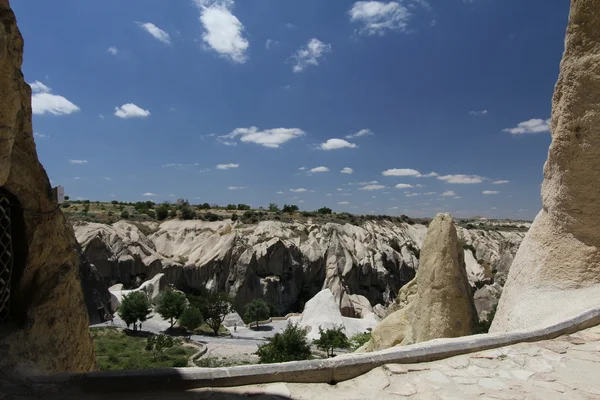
x: 488, y: 192
x: 403, y: 186
x: 280, y: 192
x: 377, y: 17
x: 224, y: 31
x: 156, y: 32
x: 228, y: 166
x: 42, y: 101
x: 299, y: 190
x: 347, y: 170
x: 78, y: 161
x: 401, y: 172
x: 532, y: 126
x: 112, y: 50
x: 372, y: 187
x: 130, y: 110
x: 310, y: 55
x: 237, y: 187
x: 449, y: 193
x: 462, y: 179
x: 343, y: 203
x: 500, y: 182
x: 334, y: 144
x: 480, y: 112
x: 320, y: 169
x: 272, y: 138
x: 270, y: 42
x: 149, y: 194
x: 362, y: 132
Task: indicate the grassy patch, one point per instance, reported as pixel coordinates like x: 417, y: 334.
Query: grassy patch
x: 116, y: 350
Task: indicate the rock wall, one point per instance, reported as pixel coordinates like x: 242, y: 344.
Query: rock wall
x: 48, y: 326
x: 556, y: 272
x: 284, y: 263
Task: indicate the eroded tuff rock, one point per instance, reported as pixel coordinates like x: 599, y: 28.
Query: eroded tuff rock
x: 438, y: 303
x: 48, y: 327
x: 556, y: 272
x: 285, y: 263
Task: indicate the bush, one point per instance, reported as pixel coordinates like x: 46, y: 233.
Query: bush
x: 157, y: 344
x: 173, y: 213
x: 125, y: 214
x: 290, y: 209
x: 234, y: 217
x: 187, y: 212
x: 191, y: 318
x: 151, y: 214
x: 134, y: 307
x: 249, y: 214
x: 332, y: 339
x: 204, y: 206
x: 66, y: 204
x: 170, y: 305
x: 114, y: 202
x: 231, y: 207
x: 256, y: 310
x: 211, y: 217
x: 324, y: 210
x: 359, y: 340
x: 162, y: 212
x: 273, y: 207
x: 466, y: 246
x: 289, y: 345
x: 243, y: 207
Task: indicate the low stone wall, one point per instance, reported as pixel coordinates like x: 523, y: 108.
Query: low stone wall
x: 331, y: 370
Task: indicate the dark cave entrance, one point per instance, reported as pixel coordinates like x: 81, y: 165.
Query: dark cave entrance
x: 13, y: 251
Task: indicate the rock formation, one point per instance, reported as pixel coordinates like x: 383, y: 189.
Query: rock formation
x: 438, y: 303
x: 556, y: 272
x: 284, y: 263
x: 47, y: 330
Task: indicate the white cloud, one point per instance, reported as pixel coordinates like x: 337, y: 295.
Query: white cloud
x: 237, y: 187
x: 106, y: 178
x: 280, y: 192
x: 449, y: 193
x: 429, y: 175
x: 488, y: 192
x: 462, y: 179
x: 228, y: 166
x: 310, y: 55
x: 149, y: 194
x: 320, y: 169
x: 130, y: 110
x: 376, y: 16
x: 480, y: 112
x: 270, y: 42
x: 112, y: 50
x: 347, y: 170
x: 78, y: 161
x: 401, y: 172
x: 372, y: 187
x: 413, y: 194
x: 343, y: 203
x: 362, y: 132
x: 334, y: 144
x: 329, y: 194
x: 500, y: 182
x: 181, y: 166
x: 531, y: 126
x: 224, y: 31
x: 40, y: 135
x: 272, y: 138
x: 42, y: 101
x: 299, y: 190
x: 156, y: 32
x: 403, y: 186
x: 429, y: 193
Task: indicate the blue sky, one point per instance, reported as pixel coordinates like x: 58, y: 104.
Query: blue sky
x: 437, y: 105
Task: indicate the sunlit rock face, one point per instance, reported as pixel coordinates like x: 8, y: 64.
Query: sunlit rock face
x: 47, y: 330
x: 556, y: 273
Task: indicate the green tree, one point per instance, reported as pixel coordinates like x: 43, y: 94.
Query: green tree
x: 134, y: 307
x: 324, y: 210
x: 170, y: 305
x: 243, y: 207
x: 214, y: 309
x: 332, y: 339
x: 173, y: 213
x: 273, y: 207
x: 290, y: 209
x: 156, y: 344
x: 234, y: 217
x: 125, y: 214
x: 359, y: 340
x: 256, y: 310
x: 191, y: 318
x: 289, y: 345
x: 204, y: 206
x: 151, y: 214
x: 187, y: 212
x: 162, y: 212
x: 231, y: 207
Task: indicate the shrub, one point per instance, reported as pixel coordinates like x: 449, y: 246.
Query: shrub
x: 273, y: 207
x: 191, y: 318
x: 234, y: 217
x: 332, y: 339
x: 466, y: 246
x: 256, y: 310
x: 289, y: 345
x: 134, y: 307
x: 290, y: 209
x: 324, y: 210
x: 359, y: 340
x: 66, y: 204
x: 187, y: 212
x: 249, y: 214
x: 162, y: 212
x: 243, y: 207
x: 125, y: 214
x: 211, y: 217
x: 114, y: 202
x: 157, y: 344
x: 171, y: 305
x: 151, y: 214
x: 173, y: 213
x: 204, y: 206
x: 231, y: 207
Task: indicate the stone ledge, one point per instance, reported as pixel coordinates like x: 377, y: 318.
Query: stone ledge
x: 333, y: 370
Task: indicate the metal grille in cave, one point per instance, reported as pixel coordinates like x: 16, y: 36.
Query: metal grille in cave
x: 6, y: 257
